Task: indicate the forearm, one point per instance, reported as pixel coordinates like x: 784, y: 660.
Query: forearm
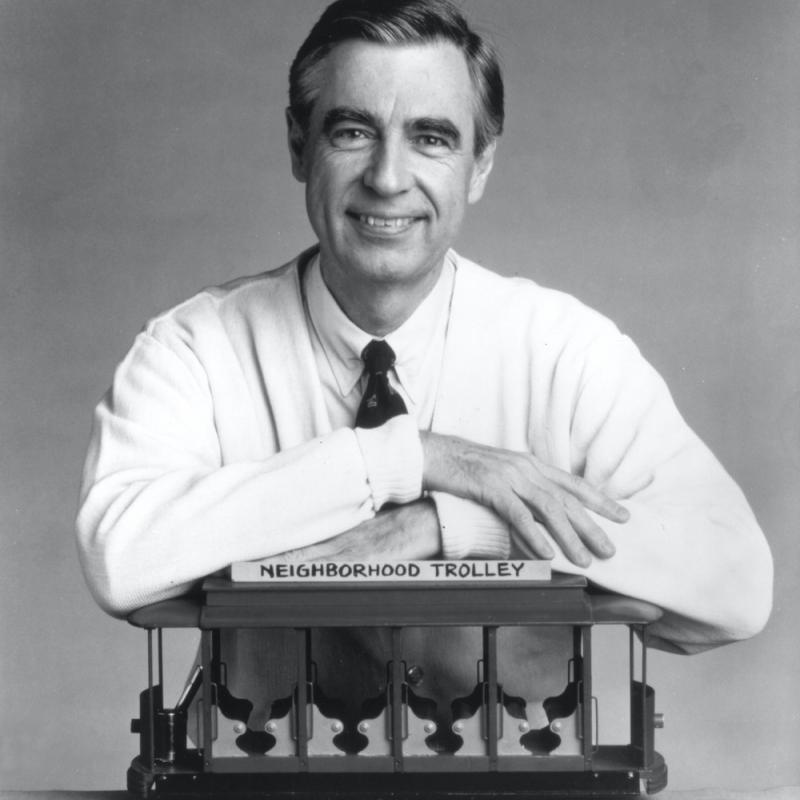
x: 690, y: 543
x: 154, y: 521
x: 186, y: 472
x: 145, y: 536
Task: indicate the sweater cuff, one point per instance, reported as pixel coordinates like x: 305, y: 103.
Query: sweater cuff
x: 470, y: 530
x: 392, y: 456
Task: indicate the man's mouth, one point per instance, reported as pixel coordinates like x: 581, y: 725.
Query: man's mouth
x: 387, y: 224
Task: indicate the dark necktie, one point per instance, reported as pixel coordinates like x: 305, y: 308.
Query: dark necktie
x: 380, y: 402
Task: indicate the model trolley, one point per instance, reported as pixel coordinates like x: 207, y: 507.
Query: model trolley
x: 297, y: 752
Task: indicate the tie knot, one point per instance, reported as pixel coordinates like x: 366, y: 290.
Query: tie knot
x: 378, y: 357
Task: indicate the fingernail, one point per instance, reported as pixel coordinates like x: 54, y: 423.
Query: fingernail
x: 607, y: 549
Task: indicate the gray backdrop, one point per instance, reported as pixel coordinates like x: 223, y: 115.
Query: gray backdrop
x: 650, y: 166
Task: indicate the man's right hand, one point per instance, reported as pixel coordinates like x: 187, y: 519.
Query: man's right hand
x: 523, y: 491
x: 408, y: 532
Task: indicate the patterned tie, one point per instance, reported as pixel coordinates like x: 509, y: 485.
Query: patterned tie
x: 380, y: 402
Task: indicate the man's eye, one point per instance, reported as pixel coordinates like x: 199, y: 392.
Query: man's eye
x: 429, y: 141
x: 349, y: 137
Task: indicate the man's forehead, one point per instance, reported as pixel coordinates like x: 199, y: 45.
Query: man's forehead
x: 420, y: 80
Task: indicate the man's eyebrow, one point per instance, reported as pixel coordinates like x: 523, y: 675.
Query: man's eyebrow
x: 440, y: 126
x: 347, y: 114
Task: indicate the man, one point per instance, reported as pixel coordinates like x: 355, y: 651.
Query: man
x: 233, y: 431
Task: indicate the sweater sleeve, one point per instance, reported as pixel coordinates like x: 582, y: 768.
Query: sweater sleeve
x: 562, y: 382
x: 160, y: 508
x: 692, y: 544
x: 470, y: 530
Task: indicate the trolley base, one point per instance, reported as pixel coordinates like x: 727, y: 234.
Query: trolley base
x: 609, y: 780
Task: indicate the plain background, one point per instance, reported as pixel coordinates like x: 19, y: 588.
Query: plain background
x: 650, y: 166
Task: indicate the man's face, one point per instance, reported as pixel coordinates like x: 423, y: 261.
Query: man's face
x: 389, y: 164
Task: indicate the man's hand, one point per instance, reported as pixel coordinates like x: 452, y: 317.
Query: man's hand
x: 523, y: 490
x: 402, y: 533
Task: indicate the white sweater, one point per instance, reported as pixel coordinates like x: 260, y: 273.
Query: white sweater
x: 214, y: 445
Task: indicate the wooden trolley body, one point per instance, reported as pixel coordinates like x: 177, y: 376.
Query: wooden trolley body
x: 304, y: 767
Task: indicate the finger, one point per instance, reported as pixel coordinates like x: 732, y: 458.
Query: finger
x: 519, y: 516
x: 591, y: 497
x: 521, y: 548
x: 550, y: 511
x: 590, y: 533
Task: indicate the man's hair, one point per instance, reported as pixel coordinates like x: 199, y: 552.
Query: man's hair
x: 399, y: 22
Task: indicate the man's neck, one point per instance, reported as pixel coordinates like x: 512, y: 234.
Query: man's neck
x: 379, y: 307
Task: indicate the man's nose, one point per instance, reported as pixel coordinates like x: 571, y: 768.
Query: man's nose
x: 388, y: 172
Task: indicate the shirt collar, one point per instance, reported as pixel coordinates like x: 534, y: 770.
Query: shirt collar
x: 342, y: 340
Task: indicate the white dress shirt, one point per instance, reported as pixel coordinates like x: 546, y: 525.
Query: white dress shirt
x: 418, y: 345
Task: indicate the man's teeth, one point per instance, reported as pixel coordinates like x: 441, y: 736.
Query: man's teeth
x: 386, y: 222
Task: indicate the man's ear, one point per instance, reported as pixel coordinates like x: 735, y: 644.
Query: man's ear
x: 480, y: 172
x: 297, y: 145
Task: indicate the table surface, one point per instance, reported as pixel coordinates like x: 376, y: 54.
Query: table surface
x: 776, y: 793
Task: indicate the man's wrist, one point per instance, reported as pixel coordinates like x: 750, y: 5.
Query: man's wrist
x: 418, y: 522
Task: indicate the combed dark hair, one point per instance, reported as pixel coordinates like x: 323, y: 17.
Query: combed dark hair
x: 400, y: 22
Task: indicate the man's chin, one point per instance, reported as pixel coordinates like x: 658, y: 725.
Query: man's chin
x: 394, y: 269
x: 380, y: 259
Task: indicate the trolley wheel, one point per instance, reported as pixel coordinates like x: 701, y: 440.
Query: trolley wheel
x: 139, y: 783
x: 657, y: 779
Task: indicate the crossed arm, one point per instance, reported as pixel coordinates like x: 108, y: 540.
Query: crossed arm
x: 160, y: 511
x: 713, y: 581
x: 528, y: 494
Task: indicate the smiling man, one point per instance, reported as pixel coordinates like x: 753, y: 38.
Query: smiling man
x: 388, y: 156
x: 382, y: 396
